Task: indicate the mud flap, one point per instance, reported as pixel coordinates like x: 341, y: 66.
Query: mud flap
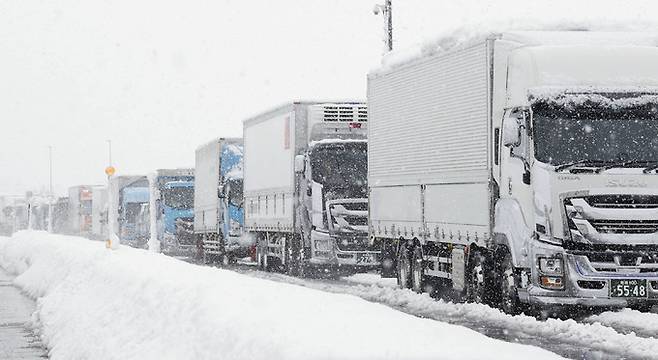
x: 458, y: 269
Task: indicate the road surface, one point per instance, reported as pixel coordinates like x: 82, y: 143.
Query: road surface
x: 17, y: 341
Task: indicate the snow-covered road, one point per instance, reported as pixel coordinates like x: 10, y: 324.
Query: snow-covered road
x: 17, y: 341
x: 142, y: 305
x: 611, y: 335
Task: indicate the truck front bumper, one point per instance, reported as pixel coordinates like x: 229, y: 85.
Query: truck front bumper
x: 583, y: 285
x: 325, y: 251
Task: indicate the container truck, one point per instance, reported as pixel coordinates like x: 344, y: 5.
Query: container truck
x: 520, y: 169
x: 218, y: 209
x: 174, y: 210
x: 305, y: 189
x: 80, y: 210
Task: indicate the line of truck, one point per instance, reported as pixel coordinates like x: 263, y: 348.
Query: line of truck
x: 516, y: 169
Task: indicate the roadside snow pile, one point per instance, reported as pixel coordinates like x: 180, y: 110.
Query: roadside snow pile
x: 131, y: 304
x: 628, y: 320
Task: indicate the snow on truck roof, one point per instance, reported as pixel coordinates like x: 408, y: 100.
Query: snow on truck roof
x: 530, y: 38
x: 233, y: 140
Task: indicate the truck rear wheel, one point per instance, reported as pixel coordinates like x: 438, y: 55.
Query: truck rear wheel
x: 404, y: 268
x: 476, y: 288
x: 509, y: 286
x: 417, y: 270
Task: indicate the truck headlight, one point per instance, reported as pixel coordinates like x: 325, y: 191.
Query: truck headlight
x: 550, y: 266
x: 551, y: 270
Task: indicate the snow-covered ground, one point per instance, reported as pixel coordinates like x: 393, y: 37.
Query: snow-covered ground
x: 625, y: 334
x: 95, y: 303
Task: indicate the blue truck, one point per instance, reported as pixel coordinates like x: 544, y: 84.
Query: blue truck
x: 175, y: 210
x: 218, y: 202
x: 130, y: 194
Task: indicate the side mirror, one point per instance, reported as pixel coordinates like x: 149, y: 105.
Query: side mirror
x: 221, y: 191
x: 511, y: 132
x: 300, y: 164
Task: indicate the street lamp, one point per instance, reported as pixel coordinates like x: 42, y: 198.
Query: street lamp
x: 386, y: 11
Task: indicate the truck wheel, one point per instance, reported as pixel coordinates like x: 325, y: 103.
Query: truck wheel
x: 417, y: 269
x: 476, y: 287
x: 509, y: 286
x: 404, y: 268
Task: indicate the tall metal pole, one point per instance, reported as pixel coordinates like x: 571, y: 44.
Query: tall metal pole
x: 389, y: 24
x: 109, y: 151
x: 50, y: 195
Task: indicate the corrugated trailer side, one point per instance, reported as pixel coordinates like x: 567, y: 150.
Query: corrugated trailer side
x: 428, y: 148
x: 206, y: 181
x: 269, y: 151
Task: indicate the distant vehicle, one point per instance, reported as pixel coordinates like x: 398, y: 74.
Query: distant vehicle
x: 218, y: 209
x: 80, y: 210
x: 127, y: 194
x: 305, y: 188
x: 175, y: 207
x: 99, y: 213
x: 61, y: 213
x: 520, y: 169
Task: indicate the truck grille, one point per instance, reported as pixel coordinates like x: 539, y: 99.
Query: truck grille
x: 623, y: 201
x: 625, y: 226
x: 348, y: 215
x: 609, y: 261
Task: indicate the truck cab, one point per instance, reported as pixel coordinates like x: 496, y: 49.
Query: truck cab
x: 334, y: 189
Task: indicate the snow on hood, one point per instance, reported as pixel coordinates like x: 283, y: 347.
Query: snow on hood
x: 336, y: 141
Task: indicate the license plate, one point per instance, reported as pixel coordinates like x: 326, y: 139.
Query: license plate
x: 365, y: 258
x: 628, y: 288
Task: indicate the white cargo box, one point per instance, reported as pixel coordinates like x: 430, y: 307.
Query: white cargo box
x: 271, y: 141
x: 206, y: 185
x: 428, y: 152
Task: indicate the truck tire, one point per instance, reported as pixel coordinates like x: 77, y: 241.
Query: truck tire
x: 477, y: 282
x: 404, y: 268
x: 509, y: 286
x: 417, y: 270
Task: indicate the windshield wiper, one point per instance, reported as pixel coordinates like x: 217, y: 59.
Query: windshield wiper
x: 592, y: 163
x: 651, y: 168
x: 621, y: 164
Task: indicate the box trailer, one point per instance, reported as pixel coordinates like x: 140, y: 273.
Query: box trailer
x: 519, y: 168
x: 218, y: 209
x: 305, y: 187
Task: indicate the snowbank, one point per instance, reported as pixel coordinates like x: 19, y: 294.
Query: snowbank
x: 131, y: 304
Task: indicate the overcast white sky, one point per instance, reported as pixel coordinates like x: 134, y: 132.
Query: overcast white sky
x: 160, y: 78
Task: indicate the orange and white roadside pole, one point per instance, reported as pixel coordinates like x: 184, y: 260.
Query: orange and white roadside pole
x: 112, y: 241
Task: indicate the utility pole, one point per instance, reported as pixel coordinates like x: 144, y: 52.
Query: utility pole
x: 50, y: 194
x: 387, y: 11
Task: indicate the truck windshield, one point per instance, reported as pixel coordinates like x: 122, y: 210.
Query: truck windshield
x: 342, y: 168
x: 179, y: 197
x: 595, y: 133
x: 235, y: 192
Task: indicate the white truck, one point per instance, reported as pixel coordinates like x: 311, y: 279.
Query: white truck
x: 218, y: 209
x: 520, y: 168
x: 305, y: 190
